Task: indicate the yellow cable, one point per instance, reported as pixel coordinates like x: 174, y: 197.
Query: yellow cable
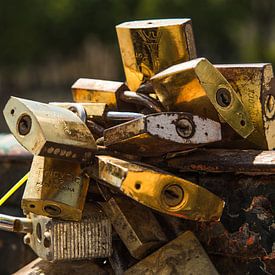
x: 13, y: 189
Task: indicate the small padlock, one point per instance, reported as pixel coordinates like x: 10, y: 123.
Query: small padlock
x: 150, y: 46
x: 49, y: 131
x: 99, y: 91
x: 197, y: 87
x: 55, y: 188
x: 161, y: 133
x: 183, y: 255
x: 253, y: 82
x: 127, y: 218
x: 157, y: 189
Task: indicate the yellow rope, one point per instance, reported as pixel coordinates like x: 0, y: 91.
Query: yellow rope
x: 14, y: 188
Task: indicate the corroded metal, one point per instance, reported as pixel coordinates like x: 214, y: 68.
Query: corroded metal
x: 55, y: 188
x: 183, y: 255
x: 49, y: 130
x: 188, y: 86
x: 58, y: 240
x: 157, y: 134
x: 222, y: 160
x: 158, y: 189
x: 253, y: 83
x: 149, y: 46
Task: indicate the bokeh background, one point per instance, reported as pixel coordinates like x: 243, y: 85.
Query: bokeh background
x: 45, y: 45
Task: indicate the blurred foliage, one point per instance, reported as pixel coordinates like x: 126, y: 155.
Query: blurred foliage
x: 225, y: 30
x: 45, y: 45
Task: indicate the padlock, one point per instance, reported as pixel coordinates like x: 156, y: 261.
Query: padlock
x: 253, y: 83
x: 55, y: 188
x: 197, y: 87
x: 49, y: 130
x: 150, y: 46
x: 99, y: 91
x: 127, y: 218
x: 161, y: 133
x: 183, y: 255
x: 157, y: 189
x: 57, y: 240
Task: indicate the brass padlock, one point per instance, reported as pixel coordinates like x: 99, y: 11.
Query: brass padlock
x: 253, y: 84
x: 183, y: 255
x: 49, y: 130
x: 150, y: 46
x: 58, y: 240
x: 55, y: 188
x: 161, y: 133
x: 197, y: 87
x: 98, y: 91
x: 157, y: 189
x: 127, y: 218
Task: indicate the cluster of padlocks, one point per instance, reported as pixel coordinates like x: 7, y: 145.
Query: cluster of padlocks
x: 99, y: 172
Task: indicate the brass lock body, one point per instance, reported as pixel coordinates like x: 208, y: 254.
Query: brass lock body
x: 57, y: 240
x: 160, y: 133
x: 183, y: 255
x: 253, y: 84
x: 159, y: 190
x: 99, y: 91
x: 48, y: 130
x: 197, y: 87
x: 55, y: 188
x: 128, y: 219
x: 150, y: 46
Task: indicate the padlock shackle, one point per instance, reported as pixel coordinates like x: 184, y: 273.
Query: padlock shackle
x: 15, y: 224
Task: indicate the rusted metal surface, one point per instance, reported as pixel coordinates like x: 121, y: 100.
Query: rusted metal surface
x: 246, y: 233
x: 222, y: 160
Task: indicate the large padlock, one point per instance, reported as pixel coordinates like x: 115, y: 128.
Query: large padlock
x: 127, y: 218
x: 157, y: 189
x: 49, y: 131
x: 150, y: 46
x: 197, y: 87
x: 161, y: 133
x: 183, y: 255
x: 55, y: 188
x: 253, y: 83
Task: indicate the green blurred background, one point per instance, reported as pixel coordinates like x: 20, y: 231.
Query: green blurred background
x: 45, y: 45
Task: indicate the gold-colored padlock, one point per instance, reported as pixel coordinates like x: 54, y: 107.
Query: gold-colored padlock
x: 183, y: 255
x: 197, y: 87
x: 253, y: 83
x: 127, y: 218
x: 159, y: 190
x: 161, y: 133
x: 55, y: 188
x: 98, y: 91
x: 150, y: 46
x: 49, y: 131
